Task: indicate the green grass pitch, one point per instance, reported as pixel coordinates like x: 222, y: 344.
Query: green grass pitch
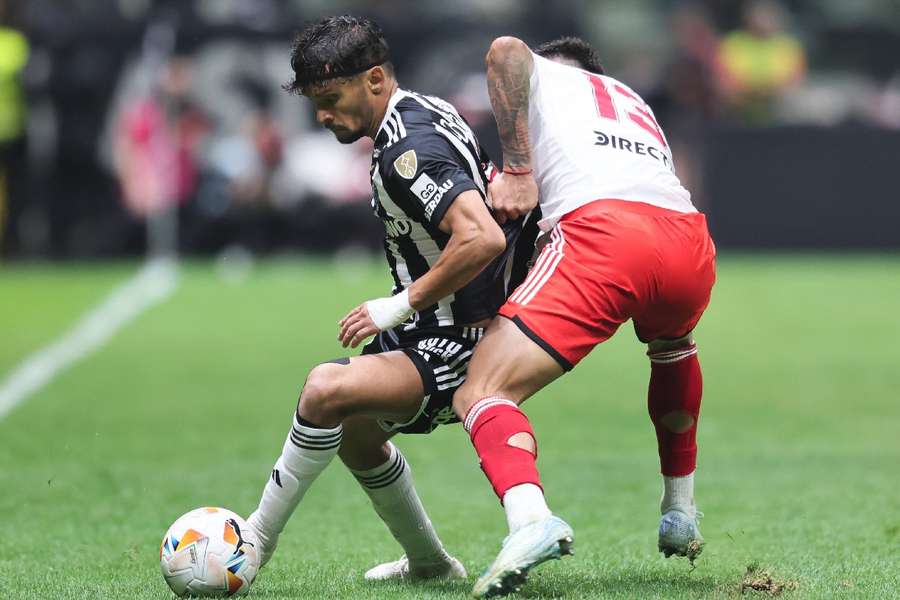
x: 799, y: 468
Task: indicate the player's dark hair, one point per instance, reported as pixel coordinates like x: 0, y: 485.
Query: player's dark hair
x: 572, y: 48
x: 334, y: 47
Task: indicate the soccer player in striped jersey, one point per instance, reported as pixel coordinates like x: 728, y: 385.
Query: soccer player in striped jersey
x: 625, y: 242
x: 451, y: 265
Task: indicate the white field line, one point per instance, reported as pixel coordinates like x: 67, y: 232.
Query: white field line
x: 155, y: 282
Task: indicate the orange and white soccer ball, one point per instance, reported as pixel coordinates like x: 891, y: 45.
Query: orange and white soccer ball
x: 209, y: 552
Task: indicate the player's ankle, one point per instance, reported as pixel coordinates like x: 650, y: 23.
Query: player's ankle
x: 434, y: 560
x: 524, y: 504
x: 678, y: 494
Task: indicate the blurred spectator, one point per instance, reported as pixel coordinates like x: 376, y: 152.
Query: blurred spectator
x: 14, y: 50
x: 156, y: 141
x: 688, y: 94
x: 760, y: 62
x: 688, y: 97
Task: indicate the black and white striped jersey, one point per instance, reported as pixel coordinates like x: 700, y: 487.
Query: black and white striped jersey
x: 425, y: 155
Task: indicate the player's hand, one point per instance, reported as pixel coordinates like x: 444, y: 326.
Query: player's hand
x: 356, y: 327
x: 512, y: 196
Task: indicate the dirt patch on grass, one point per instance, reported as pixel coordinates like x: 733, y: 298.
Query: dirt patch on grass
x: 694, y: 548
x: 761, y: 580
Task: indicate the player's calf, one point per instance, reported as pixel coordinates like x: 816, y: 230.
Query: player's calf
x: 307, y: 451
x: 312, y: 443
x: 393, y: 494
x: 673, y: 401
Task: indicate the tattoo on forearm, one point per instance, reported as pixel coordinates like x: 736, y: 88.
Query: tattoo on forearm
x: 508, y: 87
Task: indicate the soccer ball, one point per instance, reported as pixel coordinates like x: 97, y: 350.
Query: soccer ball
x: 209, y: 552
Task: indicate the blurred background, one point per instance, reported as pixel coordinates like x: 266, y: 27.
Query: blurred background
x: 784, y: 117
x: 132, y: 391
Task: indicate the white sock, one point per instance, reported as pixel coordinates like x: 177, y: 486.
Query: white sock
x: 524, y: 504
x: 678, y: 492
x: 306, y: 453
x: 390, y: 487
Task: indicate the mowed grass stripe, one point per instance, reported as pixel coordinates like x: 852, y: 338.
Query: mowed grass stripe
x: 191, y: 404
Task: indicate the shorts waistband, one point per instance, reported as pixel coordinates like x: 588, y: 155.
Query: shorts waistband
x: 471, y: 333
x: 613, y: 204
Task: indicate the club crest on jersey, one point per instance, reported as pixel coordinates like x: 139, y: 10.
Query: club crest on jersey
x: 407, y: 164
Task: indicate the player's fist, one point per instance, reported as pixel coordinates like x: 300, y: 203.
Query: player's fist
x: 512, y: 196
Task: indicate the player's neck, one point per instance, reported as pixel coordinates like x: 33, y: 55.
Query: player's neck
x: 378, y: 116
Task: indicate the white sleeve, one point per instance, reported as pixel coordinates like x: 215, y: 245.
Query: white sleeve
x: 534, y: 78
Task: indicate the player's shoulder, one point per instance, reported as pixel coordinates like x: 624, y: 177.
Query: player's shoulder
x: 419, y: 113
x: 410, y: 126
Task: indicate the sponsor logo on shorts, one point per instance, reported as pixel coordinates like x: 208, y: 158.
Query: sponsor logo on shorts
x: 407, y: 164
x: 429, y: 192
x: 439, y: 347
x: 443, y: 416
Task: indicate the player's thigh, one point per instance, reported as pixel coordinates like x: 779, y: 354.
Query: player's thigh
x: 685, y: 278
x: 506, y: 363
x: 386, y: 385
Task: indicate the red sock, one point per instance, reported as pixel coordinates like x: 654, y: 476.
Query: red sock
x: 490, y: 423
x: 676, y: 384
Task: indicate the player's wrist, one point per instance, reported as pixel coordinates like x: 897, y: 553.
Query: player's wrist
x: 391, y: 311
x: 518, y: 170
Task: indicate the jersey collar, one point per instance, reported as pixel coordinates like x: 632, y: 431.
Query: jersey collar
x: 398, y: 95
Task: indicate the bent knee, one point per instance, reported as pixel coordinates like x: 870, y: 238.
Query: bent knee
x: 321, y: 401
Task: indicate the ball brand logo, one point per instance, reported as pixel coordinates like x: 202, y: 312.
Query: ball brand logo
x: 407, y: 164
x: 233, y: 536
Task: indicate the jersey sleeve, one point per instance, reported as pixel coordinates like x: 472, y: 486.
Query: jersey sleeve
x: 424, y: 175
x: 537, y: 67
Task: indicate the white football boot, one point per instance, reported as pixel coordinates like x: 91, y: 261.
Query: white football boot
x: 450, y: 568
x: 679, y: 532
x: 522, y: 550
x: 266, y: 544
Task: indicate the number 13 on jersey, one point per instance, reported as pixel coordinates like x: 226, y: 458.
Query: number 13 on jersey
x: 635, y: 109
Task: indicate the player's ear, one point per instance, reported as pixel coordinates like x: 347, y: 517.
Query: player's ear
x: 376, y: 80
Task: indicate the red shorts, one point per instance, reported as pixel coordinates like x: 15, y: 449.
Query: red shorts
x: 610, y: 261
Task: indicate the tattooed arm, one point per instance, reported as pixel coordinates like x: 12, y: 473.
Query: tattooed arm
x: 509, y: 65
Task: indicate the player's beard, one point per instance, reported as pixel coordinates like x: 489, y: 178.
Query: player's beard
x: 347, y: 136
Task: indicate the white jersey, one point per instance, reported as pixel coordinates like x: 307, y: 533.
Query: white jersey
x: 592, y: 138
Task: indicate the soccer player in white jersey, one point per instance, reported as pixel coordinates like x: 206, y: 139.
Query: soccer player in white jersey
x: 451, y: 265
x: 624, y: 242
